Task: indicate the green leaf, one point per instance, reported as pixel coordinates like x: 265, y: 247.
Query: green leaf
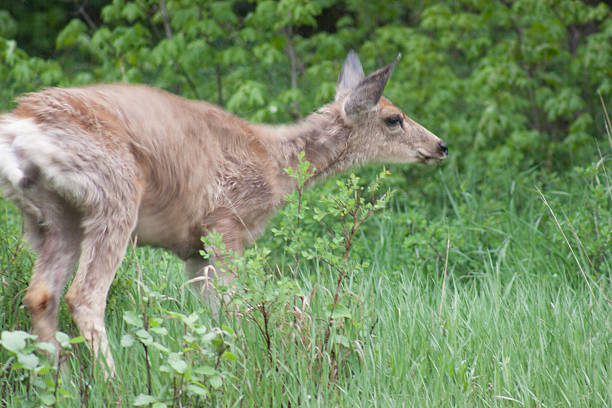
x: 144, y: 336
x: 63, y: 339
x: 160, y: 347
x: 8, y: 25
x: 47, y: 398
x: 111, y: 12
x: 341, y: 339
x: 47, y: 347
x: 77, y: 340
x: 127, y: 340
x: 340, y: 311
x: 216, y: 381
x: 15, y: 341
x: 229, y: 356
x: 143, y: 399
x: 70, y: 34
x: 177, y: 363
x: 28, y: 361
x: 132, y: 11
x: 197, y: 389
x: 162, y: 331
x: 206, y: 370
x: 43, y: 370
x: 223, y: 12
x: 234, y: 55
x: 132, y: 318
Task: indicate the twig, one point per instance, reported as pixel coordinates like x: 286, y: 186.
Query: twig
x: 149, y: 387
x: 167, y: 28
x: 373, y: 326
x: 288, y: 31
x: 83, y: 13
x: 57, y: 370
x: 189, y: 80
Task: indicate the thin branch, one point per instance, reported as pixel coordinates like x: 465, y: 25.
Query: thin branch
x: 333, y: 309
x: 192, y: 84
x: 288, y: 31
x: 167, y: 28
x: 81, y: 11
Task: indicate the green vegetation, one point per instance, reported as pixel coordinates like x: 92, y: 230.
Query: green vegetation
x: 483, y: 282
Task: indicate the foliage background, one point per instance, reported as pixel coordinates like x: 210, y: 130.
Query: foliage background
x: 519, y: 216
x: 504, y: 83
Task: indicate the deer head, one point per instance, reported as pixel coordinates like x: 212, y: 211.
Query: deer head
x: 381, y: 132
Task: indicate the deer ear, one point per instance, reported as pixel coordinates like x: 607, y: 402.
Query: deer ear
x: 368, y: 92
x: 350, y: 76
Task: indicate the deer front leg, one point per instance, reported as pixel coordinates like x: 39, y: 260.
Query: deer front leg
x: 204, y: 274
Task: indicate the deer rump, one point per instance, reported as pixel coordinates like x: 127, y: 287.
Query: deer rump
x: 91, y: 167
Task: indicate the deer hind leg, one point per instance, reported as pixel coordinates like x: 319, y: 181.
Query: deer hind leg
x: 94, y: 171
x: 55, y: 234
x: 105, y: 238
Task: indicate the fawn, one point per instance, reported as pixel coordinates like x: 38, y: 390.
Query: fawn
x: 91, y: 167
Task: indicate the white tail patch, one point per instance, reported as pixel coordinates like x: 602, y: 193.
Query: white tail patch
x: 10, y: 167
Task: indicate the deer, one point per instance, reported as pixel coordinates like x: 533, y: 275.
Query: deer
x: 92, y: 168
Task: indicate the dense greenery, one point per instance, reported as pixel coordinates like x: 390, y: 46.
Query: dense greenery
x: 504, y: 82
x: 483, y: 282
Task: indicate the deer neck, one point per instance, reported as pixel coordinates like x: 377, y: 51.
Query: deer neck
x: 324, y: 139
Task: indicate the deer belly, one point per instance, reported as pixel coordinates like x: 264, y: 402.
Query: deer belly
x: 174, y: 232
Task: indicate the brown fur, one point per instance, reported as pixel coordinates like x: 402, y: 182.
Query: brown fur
x: 91, y: 167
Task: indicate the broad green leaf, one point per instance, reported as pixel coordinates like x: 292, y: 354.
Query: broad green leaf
x: 63, y: 339
x: 216, y: 381
x: 15, y: 341
x: 340, y: 311
x: 143, y: 399
x: 127, y: 340
x: 341, y: 339
x: 47, y: 398
x: 229, y: 356
x: 28, y: 361
x: 206, y: 370
x: 177, y: 363
x: 144, y: 336
x: 47, y: 347
x: 70, y: 34
x: 198, y: 389
x: 160, y: 347
x: 132, y: 11
x: 132, y: 318
x: 162, y: 331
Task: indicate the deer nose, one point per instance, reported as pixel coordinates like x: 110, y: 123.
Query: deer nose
x: 443, y: 148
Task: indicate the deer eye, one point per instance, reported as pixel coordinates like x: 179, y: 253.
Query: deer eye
x: 394, y: 120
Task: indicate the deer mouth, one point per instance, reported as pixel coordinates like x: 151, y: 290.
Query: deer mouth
x: 428, y: 158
